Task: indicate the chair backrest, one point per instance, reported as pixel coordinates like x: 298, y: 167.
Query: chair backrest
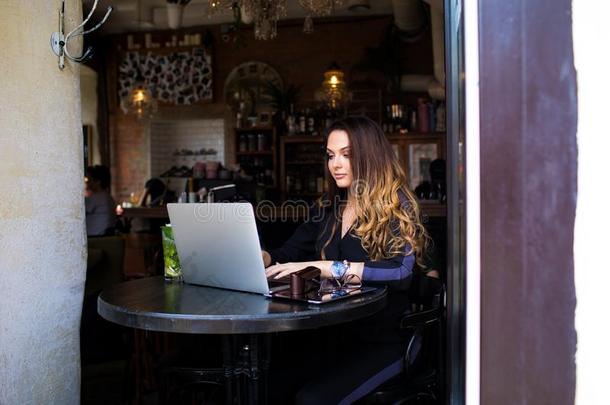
x: 143, y: 255
x: 106, y: 265
x: 427, y: 295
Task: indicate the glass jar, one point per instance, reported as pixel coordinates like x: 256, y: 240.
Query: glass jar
x: 243, y: 143
x: 261, y: 142
x: 251, y: 142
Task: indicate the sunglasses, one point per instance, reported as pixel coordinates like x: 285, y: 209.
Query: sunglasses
x: 347, y: 283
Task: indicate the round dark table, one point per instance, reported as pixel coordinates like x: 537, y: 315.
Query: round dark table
x: 154, y: 305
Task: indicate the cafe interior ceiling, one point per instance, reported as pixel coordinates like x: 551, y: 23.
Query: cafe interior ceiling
x: 153, y: 13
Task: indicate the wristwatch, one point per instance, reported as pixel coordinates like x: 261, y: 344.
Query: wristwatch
x: 338, y: 269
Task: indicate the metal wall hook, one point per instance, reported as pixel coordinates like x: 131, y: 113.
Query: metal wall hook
x: 59, y: 41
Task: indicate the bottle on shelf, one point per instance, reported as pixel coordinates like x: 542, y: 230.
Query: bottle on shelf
x: 388, y: 126
x: 302, y: 123
x: 422, y: 116
x: 192, y: 196
x: 319, y: 184
x: 311, y: 183
x: 243, y: 143
x: 291, y: 123
x: 440, y: 117
x: 413, y: 120
x: 311, y: 122
x: 431, y: 116
x: 261, y: 142
x: 251, y: 142
x: 289, y: 182
x: 329, y: 119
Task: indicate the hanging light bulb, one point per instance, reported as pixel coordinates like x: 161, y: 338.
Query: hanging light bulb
x: 139, y: 100
x: 334, y: 88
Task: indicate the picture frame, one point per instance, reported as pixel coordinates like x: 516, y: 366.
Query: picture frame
x: 420, y: 156
x: 87, y: 145
x: 174, y: 78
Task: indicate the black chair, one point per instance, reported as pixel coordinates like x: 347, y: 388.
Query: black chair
x: 421, y: 378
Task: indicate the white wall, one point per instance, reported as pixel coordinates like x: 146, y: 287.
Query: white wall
x: 592, y: 229
x: 168, y: 136
x: 42, y: 231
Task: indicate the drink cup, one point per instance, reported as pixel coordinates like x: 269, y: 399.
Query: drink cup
x: 172, y: 271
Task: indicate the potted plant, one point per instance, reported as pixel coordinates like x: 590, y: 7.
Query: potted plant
x: 281, y: 101
x: 175, y: 9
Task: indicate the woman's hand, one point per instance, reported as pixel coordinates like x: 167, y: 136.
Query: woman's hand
x: 280, y: 270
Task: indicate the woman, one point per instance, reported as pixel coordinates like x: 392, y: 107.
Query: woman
x: 367, y: 227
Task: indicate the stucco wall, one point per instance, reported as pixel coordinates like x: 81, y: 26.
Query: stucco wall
x: 42, y: 234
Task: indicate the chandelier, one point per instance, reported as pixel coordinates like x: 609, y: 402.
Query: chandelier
x: 334, y: 88
x: 265, y: 14
x: 320, y: 8
x: 219, y: 6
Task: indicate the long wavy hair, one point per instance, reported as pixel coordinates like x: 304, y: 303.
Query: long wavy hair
x: 384, y: 223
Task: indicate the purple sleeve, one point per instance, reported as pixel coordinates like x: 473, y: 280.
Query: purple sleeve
x: 394, y: 269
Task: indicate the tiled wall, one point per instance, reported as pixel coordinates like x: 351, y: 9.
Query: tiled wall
x: 168, y: 136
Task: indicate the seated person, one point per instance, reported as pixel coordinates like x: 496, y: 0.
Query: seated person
x: 99, y: 206
x: 366, y: 227
x: 155, y: 194
x: 156, y: 189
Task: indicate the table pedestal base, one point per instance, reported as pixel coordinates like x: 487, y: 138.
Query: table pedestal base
x: 246, y: 361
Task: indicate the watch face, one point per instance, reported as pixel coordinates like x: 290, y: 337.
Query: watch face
x: 338, y: 269
x: 247, y: 88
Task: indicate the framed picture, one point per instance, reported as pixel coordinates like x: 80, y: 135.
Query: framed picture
x: 87, y: 145
x: 420, y: 157
x: 396, y: 149
x: 180, y: 78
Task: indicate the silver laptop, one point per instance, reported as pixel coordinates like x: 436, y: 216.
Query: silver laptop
x: 218, y: 246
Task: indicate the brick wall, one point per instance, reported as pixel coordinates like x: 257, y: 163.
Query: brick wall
x: 130, y: 160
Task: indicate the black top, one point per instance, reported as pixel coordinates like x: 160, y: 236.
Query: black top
x: 307, y: 241
x: 306, y: 244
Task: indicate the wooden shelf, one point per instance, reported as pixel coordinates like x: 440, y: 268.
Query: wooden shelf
x: 415, y: 135
x: 433, y: 208
x: 302, y: 139
x: 255, y: 153
x: 306, y: 162
x: 253, y: 129
x: 293, y: 194
x: 268, y: 157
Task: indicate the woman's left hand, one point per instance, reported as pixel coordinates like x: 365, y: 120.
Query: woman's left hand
x: 280, y: 270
